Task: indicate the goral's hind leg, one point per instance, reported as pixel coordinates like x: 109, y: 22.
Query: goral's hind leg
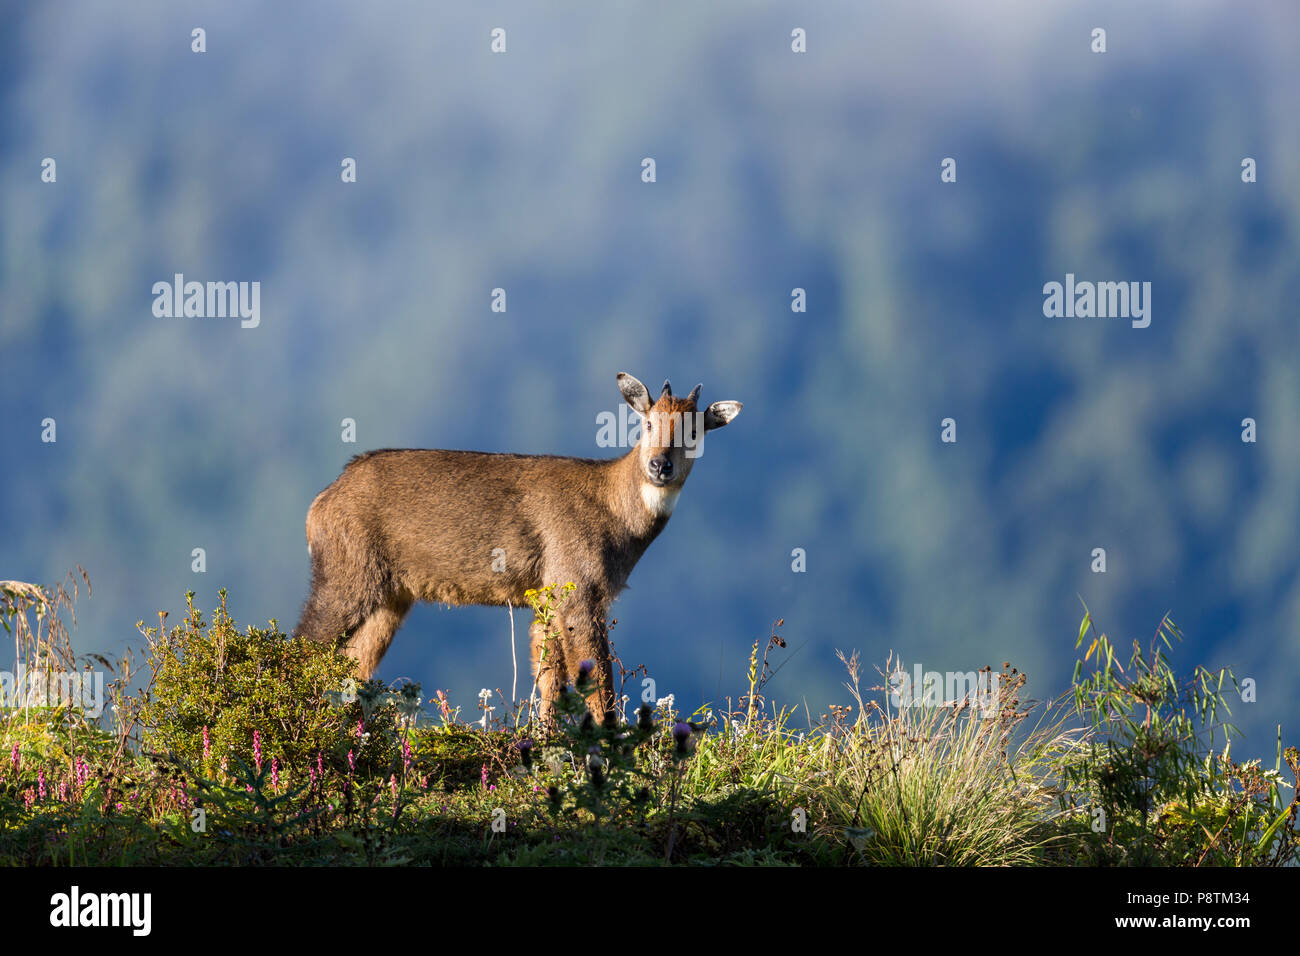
x: 369, y: 642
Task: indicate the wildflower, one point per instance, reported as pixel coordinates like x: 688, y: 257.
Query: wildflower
x: 525, y: 748
x: 257, y: 750
x: 275, y: 774
x: 361, y: 729
x: 40, y: 781
x: 584, y: 671
x: 666, y: 703
x: 352, y: 763
x: 29, y: 798
x: 483, y: 776
x: 596, y: 767
x: 681, y: 734
x: 392, y: 784
x: 320, y: 763
x: 14, y: 760
x: 406, y: 754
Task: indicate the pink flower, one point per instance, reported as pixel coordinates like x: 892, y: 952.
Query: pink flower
x: 406, y: 754
x: 207, y: 744
x: 257, y: 750
x: 275, y: 774
x: 40, y: 780
x: 352, y: 764
x: 14, y: 761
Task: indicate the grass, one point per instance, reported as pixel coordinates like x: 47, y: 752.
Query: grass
x: 245, y: 747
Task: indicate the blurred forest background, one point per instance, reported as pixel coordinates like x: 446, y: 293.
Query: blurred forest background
x: 775, y: 170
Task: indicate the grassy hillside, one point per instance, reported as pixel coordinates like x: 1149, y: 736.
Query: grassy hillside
x: 244, y: 747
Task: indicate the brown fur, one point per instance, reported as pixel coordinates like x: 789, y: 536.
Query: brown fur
x: 400, y: 526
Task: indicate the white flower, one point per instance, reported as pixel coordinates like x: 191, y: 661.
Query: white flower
x: 667, y: 702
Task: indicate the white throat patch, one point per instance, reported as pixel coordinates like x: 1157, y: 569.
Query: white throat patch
x: 660, y: 501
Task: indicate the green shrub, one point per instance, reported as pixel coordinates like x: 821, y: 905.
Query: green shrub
x: 258, y: 695
x: 1149, y: 787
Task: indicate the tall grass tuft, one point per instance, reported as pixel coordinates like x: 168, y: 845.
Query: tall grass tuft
x: 963, y: 783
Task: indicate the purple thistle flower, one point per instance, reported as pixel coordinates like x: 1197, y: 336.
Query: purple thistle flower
x: 682, y: 734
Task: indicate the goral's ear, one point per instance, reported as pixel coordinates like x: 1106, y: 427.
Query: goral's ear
x: 634, y: 393
x: 720, y: 413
